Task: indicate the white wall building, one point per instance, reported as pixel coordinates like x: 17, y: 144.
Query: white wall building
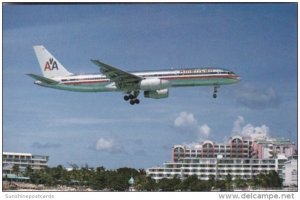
x: 242, y: 157
x: 216, y: 167
x: 23, y: 160
x: 290, y: 172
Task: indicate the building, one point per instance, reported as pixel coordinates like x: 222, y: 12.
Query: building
x: 22, y: 160
x: 290, y: 172
x: 237, y: 147
x: 240, y: 157
x: 270, y: 147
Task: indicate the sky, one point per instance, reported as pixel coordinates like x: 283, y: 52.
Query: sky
x: 256, y: 41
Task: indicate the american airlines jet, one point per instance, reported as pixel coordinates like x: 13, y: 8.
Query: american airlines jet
x: 154, y: 84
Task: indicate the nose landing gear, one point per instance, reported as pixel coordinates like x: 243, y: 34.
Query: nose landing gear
x: 215, y: 91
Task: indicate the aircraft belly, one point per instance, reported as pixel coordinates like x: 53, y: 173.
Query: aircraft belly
x: 110, y: 86
x: 201, y: 82
x: 84, y: 87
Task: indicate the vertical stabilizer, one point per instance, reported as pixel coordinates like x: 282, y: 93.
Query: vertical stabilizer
x: 50, y: 66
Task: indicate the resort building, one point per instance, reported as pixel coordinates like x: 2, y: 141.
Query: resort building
x: 242, y: 157
x: 290, y: 172
x: 22, y: 160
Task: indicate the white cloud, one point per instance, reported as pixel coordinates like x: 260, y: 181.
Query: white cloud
x: 187, y: 121
x: 204, y: 130
x: 257, y: 98
x: 107, y: 145
x: 249, y: 130
x: 255, y: 132
x: 237, y: 129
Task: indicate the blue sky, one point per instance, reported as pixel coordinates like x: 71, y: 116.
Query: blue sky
x: 257, y: 41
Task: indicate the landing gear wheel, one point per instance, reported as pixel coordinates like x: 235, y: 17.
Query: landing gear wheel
x: 215, y: 91
x: 126, y: 98
x: 131, y: 96
x: 132, y: 102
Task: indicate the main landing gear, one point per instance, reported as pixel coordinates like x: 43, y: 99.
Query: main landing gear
x: 215, y: 91
x: 132, y: 97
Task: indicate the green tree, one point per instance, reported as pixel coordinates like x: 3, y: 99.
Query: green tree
x: 128, y: 172
x: 150, y: 184
x: 16, y: 170
x: 100, y: 169
x: 118, y: 182
x: 228, y: 182
x: 145, y: 183
x: 274, y: 179
x: 271, y: 179
x: 262, y: 180
x: 253, y: 182
x: 142, y: 172
x: 28, y: 171
x: 220, y: 184
x: 190, y: 183
x: 239, y: 182
x: 59, y: 174
x: 99, y: 180
x: 169, y: 184
x: 211, y: 181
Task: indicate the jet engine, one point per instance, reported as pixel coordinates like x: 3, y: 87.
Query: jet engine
x: 157, y: 94
x: 154, y: 84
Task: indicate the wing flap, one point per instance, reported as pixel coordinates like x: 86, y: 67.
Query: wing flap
x: 124, y: 80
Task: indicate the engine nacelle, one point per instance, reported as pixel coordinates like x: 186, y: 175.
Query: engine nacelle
x: 157, y: 94
x: 154, y: 84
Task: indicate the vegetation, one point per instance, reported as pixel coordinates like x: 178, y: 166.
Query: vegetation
x: 117, y: 180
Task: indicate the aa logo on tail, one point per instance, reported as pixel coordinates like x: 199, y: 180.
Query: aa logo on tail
x: 51, y: 65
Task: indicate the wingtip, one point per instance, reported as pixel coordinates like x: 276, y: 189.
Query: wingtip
x: 29, y: 75
x: 97, y: 62
x: 94, y: 60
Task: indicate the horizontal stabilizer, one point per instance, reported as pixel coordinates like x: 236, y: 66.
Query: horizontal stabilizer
x: 43, y: 79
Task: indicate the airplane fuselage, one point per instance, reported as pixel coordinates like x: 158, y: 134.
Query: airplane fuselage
x: 154, y: 84
x: 174, y: 78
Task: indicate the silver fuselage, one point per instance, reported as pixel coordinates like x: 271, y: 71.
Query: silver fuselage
x: 176, y: 78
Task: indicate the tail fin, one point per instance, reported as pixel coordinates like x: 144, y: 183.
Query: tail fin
x: 50, y: 66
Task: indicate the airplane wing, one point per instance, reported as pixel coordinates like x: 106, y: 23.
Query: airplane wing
x: 123, y: 80
x: 43, y: 79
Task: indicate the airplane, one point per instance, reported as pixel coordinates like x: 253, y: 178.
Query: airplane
x: 154, y: 84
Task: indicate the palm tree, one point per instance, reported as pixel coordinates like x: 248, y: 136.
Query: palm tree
x: 228, y: 182
x: 276, y: 181
x: 15, y: 168
x: 239, y: 182
x: 28, y: 171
